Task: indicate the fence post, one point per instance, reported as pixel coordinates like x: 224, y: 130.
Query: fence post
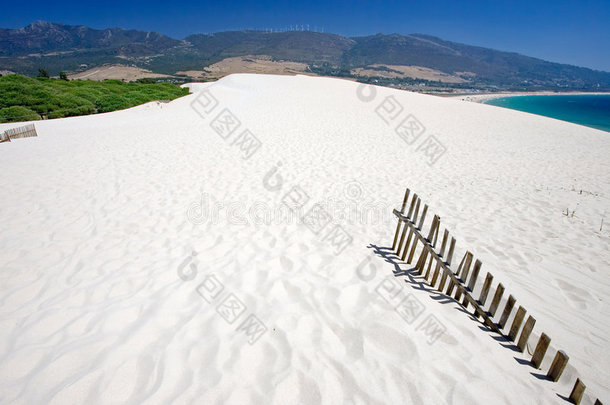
x: 406, y: 227
x: 514, y: 329
x: 442, y: 255
x: 402, y: 211
x: 412, y: 252
x: 496, y: 300
x: 507, y: 310
x: 421, y: 263
x: 558, y: 365
x: 485, y: 290
x: 466, y: 260
x: 543, y: 344
x: 526, y: 332
x: 577, y: 391
x: 412, y: 211
x: 475, y: 275
x: 423, y: 218
x: 444, y: 276
x: 463, y: 274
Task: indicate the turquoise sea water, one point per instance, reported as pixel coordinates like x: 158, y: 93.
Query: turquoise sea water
x: 592, y: 110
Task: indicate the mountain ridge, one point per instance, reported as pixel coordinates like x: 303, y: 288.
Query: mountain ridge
x: 57, y: 46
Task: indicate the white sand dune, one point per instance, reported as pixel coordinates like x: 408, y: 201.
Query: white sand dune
x: 100, y: 217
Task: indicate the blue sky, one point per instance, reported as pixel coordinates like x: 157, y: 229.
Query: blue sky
x: 575, y: 32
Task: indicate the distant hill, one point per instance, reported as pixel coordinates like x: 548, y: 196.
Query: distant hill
x: 297, y: 46
x: 489, y: 66
x: 71, y: 48
x: 43, y: 37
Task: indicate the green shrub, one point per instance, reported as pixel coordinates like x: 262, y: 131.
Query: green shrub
x: 43, y: 73
x: 111, y: 102
x: 17, y: 113
x: 59, y: 98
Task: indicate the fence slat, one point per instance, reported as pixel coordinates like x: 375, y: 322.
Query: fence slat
x: 514, y: 329
x: 411, y: 232
x: 507, y: 310
x: 404, y: 231
x: 475, y: 274
x: 577, y: 392
x: 444, y: 243
x: 435, y: 236
x: 394, y: 243
x: 525, y: 333
x: 442, y: 252
x: 429, y: 268
x: 423, y: 218
x: 558, y: 365
x: 463, y: 275
x: 450, y: 254
x: 444, y: 276
x: 433, y: 231
x: 402, y: 211
x: 496, y: 300
x: 412, y: 252
x: 403, y: 256
x: 540, y: 351
x: 465, y: 259
x: 473, y: 279
x: 402, y: 237
x: 485, y: 290
x: 421, y: 262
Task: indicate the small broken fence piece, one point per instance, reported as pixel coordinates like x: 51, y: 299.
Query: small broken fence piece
x: 25, y: 131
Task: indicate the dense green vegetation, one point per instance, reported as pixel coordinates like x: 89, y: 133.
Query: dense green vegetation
x: 25, y: 98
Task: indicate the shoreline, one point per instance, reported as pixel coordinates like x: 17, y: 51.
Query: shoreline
x: 481, y: 98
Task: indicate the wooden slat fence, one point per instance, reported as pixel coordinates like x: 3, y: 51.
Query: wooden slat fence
x: 435, y: 265
x: 25, y: 131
